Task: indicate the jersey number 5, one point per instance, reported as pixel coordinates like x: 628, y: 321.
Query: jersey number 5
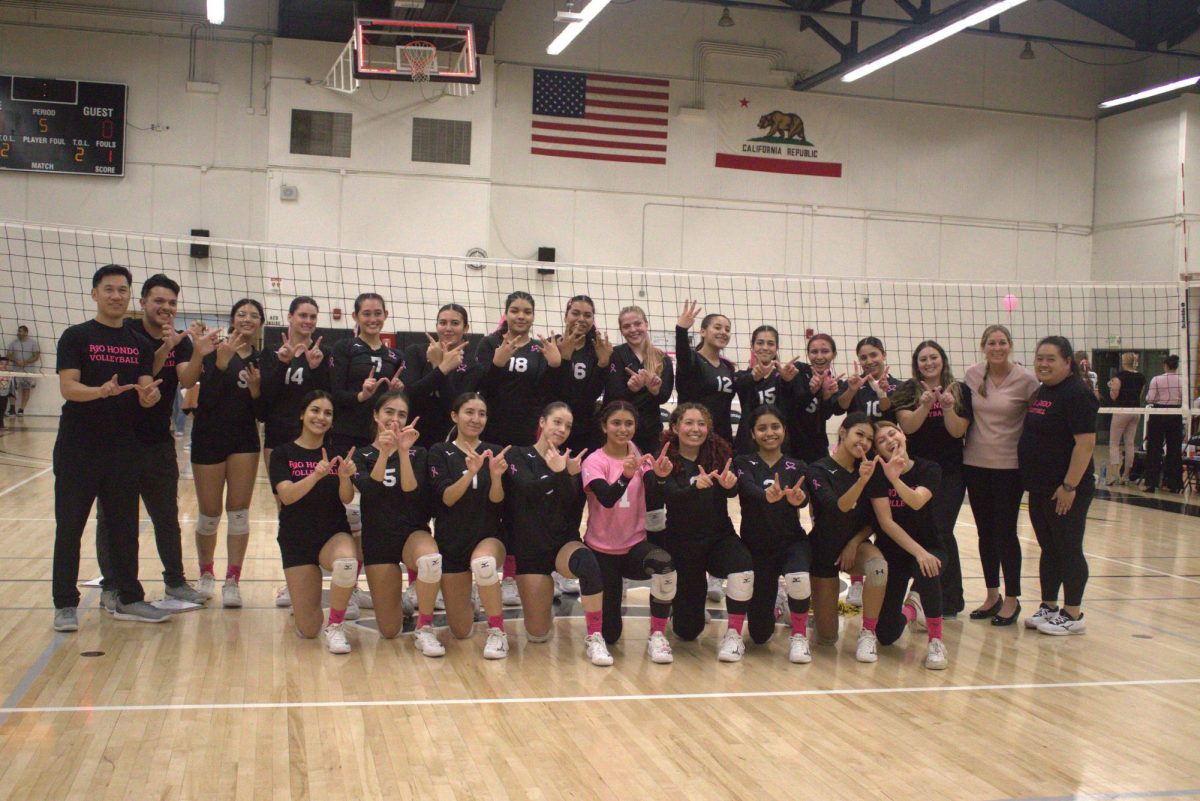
x: 389, y: 477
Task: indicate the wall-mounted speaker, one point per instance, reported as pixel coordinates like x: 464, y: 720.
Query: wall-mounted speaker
x: 199, y: 251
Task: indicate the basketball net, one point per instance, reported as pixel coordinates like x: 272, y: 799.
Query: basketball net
x: 418, y: 57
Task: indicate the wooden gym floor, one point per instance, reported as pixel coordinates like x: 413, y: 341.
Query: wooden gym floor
x: 232, y: 705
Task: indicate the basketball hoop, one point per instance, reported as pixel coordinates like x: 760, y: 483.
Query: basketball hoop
x: 420, y: 57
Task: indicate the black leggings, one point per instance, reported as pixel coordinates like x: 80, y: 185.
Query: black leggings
x: 769, y: 565
x: 996, y: 504
x: 694, y: 561
x: 1061, y: 537
x: 638, y: 564
x: 1166, y: 428
x: 947, y: 503
x: 902, y: 566
x: 157, y: 475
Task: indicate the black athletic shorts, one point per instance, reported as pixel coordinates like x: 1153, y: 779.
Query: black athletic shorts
x: 305, y: 549
x: 825, y: 551
x: 214, y: 450
x: 386, y: 549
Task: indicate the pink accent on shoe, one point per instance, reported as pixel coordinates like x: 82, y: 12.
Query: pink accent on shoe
x: 856, y: 579
x: 496, y: 622
x: 233, y: 572
x: 737, y: 623
x: 336, y: 616
x: 869, y: 623
x: 909, y: 611
x: 594, y: 620
x: 800, y: 623
x: 424, y: 620
x: 935, y: 627
x: 658, y: 624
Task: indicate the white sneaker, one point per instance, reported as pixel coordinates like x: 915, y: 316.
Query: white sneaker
x: 1061, y: 624
x: 476, y: 601
x: 207, y: 585
x: 659, y: 649
x: 439, y: 605
x: 1042, y: 614
x: 283, y: 598
x: 408, y: 601
x: 597, y: 650
x: 914, y: 600
x: 557, y: 587
x: 352, y: 611
x: 231, y: 595
x: 569, y: 586
x: 782, y: 613
x: 425, y: 638
x: 509, y: 595
x: 868, y: 647
x: 361, y: 598
x: 335, y: 639
x: 496, y: 646
x: 716, y: 591
x: 854, y: 594
x: 732, y: 647
x: 799, y: 652
x: 935, y: 657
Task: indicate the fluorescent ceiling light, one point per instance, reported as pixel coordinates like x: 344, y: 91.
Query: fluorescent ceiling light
x: 1157, y: 90
x: 982, y: 15
x: 568, y: 34
x: 216, y: 11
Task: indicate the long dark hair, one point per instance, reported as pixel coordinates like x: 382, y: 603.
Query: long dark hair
x: 300, y: 301
x: 457, y: 309
x: 909, y: 393
x: 590, y: 334
x: 516, y: 295
x: 358, y: 301
x: 1063, y: 346
x: 457, y: 404
x: 611, y: 408
x: 714, y: 452
x: 262, y: 317
x: 761, y: 412
x: 382, y: 400
x: 316, y: 394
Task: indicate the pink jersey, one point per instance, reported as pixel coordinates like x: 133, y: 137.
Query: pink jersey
x: 614, y: 530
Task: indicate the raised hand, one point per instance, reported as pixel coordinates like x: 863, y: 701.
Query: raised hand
x: 228, y: 348
x: 324, y: 467
x: 946, y: 397
x: 435, y: 351
x: 204, y: 342
x: 704, y: 480
x: 929, y: 396
x: 662, y: 465
x: 253, y: 377
x: 550, y: 350
x: 346, y: 467
x: 877, y: 387
x: 149, y: 394
x: 630, y: 466
x: 687, y: 317
x: 497, y: 463
x: 475, y: 460
x: 505, y: 350
x: 112, y: 387
x: 452, y: 358
x: 314, y: 355
x: 817, y: 382
x: 795, y: 494
x: 866, y: 468
x: 555, y: 459
x: 389, y: 440
x: 856, y: 380
x: 894, y: 468
x: 651, y: 381
x: 394, y: 383
x: 369, y: 385
x: 408, y: 435
x: 727, y: 478
x: 829, y: 385
x: 170, y: 339
x: 636, y: 380
x: 762, y: 370
x: 604, y: 349
x: 575, y: 463
x: 286, y: 353
x: 571, y: 341
x: 788, y: 370
x: 775, y: 492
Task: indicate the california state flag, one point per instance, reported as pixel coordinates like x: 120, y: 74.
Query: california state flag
x: 769, y: 131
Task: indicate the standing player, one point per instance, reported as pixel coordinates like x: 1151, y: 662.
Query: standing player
x: 299, y: 367
x: 586, y: 357
x: 436, y: 374
x: 24, y: 355
x: 763, y: 383
x: 642, y: 375
x: 705, y: 376
x: 361, y: 366
x: 157, y: 468
x: 770, y: 490
x: 313, y: 532
x: 104, y: 375
x: 225, y: 445
x: 812, y: 399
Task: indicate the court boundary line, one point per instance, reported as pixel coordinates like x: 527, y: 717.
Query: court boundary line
x: 1110, y: 796
x: 25, y: 481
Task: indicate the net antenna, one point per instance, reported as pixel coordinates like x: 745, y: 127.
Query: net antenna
x: 408, y: 50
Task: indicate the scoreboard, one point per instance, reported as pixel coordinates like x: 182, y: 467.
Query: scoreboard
x: 75, y: 127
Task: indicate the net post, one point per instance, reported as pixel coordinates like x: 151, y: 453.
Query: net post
x: 1185, y: 348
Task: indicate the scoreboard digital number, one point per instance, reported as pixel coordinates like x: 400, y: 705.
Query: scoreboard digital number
x: 74, y: 127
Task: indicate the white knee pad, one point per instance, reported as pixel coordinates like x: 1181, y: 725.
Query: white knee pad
x: 876, y: 572
x: 207, y: 526
x: 239, y: 522
x: 662, y: 585
x: 345, y: 572
x: 484, y: 569
x: 799, y: 586
x: 429, y: 568
x: 739, y: 586
x: 354, y: 518
x: 656, y: 519
x: 538, y: 637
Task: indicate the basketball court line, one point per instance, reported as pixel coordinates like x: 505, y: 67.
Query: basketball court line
x: 25, y: 481
x: 1109, y: 796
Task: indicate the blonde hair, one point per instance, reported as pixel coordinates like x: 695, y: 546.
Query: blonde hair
x: 654, y: 357
x: 1128, y: 359
x: 987, y: 332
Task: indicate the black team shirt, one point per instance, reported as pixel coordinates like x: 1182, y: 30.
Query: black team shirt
x: 154, y: 424
x: 320, y: 511
x: 1055, y: 416
x: 514, y: 392
x: 387, y: 510
x: 768, y: 526
x: 917, y: 523
x: 827, y: 482
x: 698, y: 381
x: 99, y: 352
x: 351, y: 362
x: 933, y: 441
x: 284, y: 387
x: 474, y: 517
x: 694, y: 516
x: 539, y: 502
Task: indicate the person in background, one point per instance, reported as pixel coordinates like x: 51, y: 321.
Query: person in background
x: 6, y: 387
x: 1166, y: 392
x: 1124, y: 390
x: 1090, y: 379
x: 25, y: 356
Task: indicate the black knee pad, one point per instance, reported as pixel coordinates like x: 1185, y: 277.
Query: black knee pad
x: 658, y: 562
x: 585, y: 567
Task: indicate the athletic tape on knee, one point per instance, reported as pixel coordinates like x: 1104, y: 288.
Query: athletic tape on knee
x: 662, y: 585
x: 484, y: 569
x: 876, y: 573
x: 207, y: 526
x: 429, y: 568
x: 239, y: 522
x: 585, y: 567
x: 354, y: 518
x: 799, y: 585
x: 538, y: 637
x: 656, y: 519
x: 739, y: 586
x: 345, y: 572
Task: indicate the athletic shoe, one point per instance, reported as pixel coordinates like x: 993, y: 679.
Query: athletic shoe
x: 914, y: 600
x: 185, y: 592
x: 66, y: 619
x: 1062, y: 624
x: 140, y: 612
x: 624, y: 589
x: 425, y: 638
x: 508, y: 592
x: 496, y: 646
x: 557, y: 589
x: 1043, y: 613
x: 11, y: 413
x: 440, y: 604
x: 207, y: 586
x: 597, y: 650
x: 716, y: 592
x: 335, y: 639
x: 109, y: 600
x: 854, y: 594
x: 732, y: 647
x: 1112, y: 482
x: 868, y: 647
x: 408, y: 601
x: 798, y: 652
x: 782, y: 615
x: 361, y: 598
x: 352, y: 612
x: 20, y: 412
x: 231, y: 595
x: 283, y: 598
x: 570, y: 586
x: 659, y: 649
x: 935, y: 656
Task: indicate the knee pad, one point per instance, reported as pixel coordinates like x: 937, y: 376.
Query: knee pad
x: 344, y: 573
x: 799, y: 586
x: 739, y: 586
x: 485, y: 572
x: 429, y: 568
x: 538, y: 637
x: 585, y: 567
x: 658, y: 561
x: 207, y: 526
x: 662, y: 585
x: 354, y: 518
x: 876, y: 572
x: 239, y: 522
x: 656, y: 519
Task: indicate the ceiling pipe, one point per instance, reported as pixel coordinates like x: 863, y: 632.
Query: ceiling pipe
x: 704, y: 49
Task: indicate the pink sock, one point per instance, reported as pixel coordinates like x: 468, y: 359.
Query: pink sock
x: 856, y: 579
x: 593, y: 622
x: 658, y: 624
x: 935, y: 627
x: 424, y: 620
x: 510, y: 567
x: 209, y: 567
x: 736, y: 622
x: 909, y: 611
x: 412, y: 577
x: 800, y: 623
x: 233, y: 572
x: 496, y: 622
x: 336, y: 616
x: 869, y: 623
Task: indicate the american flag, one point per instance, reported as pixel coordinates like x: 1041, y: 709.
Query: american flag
x: 613, y: 117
